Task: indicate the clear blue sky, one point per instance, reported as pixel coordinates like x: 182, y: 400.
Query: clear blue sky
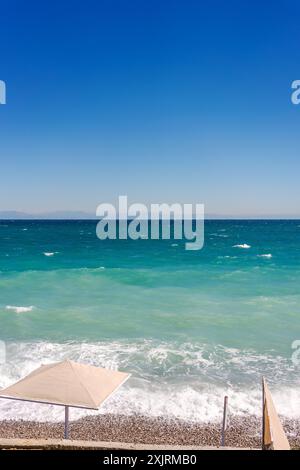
x: 165, y: 101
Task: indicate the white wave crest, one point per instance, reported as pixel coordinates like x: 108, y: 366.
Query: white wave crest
x: 269, y: 255
x: 50, y: 253
x: 19, y: 309
x: 244, y: 246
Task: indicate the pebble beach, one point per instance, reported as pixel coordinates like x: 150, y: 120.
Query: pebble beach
x: 242, y: 432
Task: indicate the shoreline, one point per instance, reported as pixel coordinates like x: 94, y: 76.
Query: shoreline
x: 138, y: 429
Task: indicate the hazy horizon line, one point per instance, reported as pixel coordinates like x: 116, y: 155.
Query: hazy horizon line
x: 85, y: 215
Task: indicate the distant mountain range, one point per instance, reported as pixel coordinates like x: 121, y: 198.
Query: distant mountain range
x: 81, y: 215
x: 71, y: 215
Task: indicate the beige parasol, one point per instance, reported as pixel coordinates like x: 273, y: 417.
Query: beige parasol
x: 273, y: 435
x: 67, y: 384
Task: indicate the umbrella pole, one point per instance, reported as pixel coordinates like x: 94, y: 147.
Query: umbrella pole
x: 66, y: 422
x: 224, y: 425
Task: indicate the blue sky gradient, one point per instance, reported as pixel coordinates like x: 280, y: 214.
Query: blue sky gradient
x: 164, y: 101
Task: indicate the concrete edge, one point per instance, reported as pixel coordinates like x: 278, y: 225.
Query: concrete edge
x: 61, y: 444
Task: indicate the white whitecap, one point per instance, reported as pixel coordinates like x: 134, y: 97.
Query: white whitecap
x: 244, y: 246
x: 50, y: 253
x: 19, y: 309
x: 265, y: 256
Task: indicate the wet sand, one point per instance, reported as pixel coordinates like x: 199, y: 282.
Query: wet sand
x: 242, y: 432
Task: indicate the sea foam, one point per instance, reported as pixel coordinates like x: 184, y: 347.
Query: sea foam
x: 19, y: 309
x: 186, y: 381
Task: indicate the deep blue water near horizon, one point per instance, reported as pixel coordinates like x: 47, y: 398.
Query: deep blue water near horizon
x: 189, y: 325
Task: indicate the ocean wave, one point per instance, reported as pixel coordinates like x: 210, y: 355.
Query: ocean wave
x: 221, y: 235
x: 19, y: 309
x: 269, y: 255
x: 186, y: 381
x: 244, y: 246
x: 50, y: 253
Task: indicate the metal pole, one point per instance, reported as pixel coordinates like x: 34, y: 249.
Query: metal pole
x: 66, y: 422
x: 224, y: 426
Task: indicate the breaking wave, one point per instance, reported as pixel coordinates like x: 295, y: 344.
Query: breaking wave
x: 19, y: 309
x: 186, y: 381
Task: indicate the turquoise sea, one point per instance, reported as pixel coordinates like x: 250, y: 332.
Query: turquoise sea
x: 189, y: 325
